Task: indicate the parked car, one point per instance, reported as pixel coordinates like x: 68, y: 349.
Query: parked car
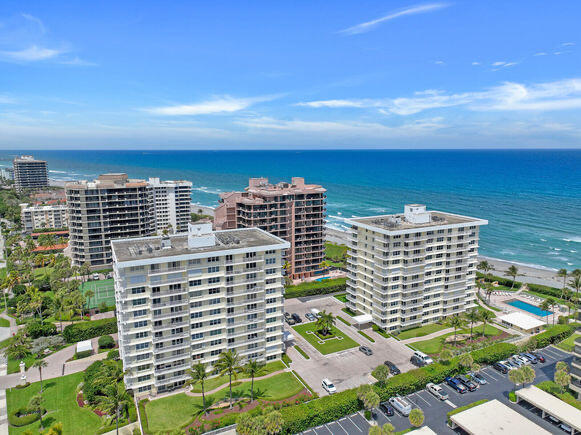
x: 437, y: 391
x: 530, y: 357
x: 502, y: 368
x: 423, y: 357
x: 402, y: 405
x: 477, y: 377
x: 525, y: 361
x: 386, y: 408
x: 315, y: 312
x: 515, y: 362
x: 310, y: 317
x: 538, y: 356
x: 328, y: 386
x: 95, y: 276
x: 287, y: 315
x: 290, y: 320
x: 565, y: 428
x: 366, y: 350
x: 392, y: 368
x: 456, y: 384
x: 297, y: 318
x: 472, y: 386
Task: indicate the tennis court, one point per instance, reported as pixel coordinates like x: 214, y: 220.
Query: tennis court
x: 103, y: 291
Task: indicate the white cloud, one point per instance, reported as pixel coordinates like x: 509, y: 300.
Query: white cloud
x: 413, y: 10
x: 440, y: 62
x: 542, y: 53
x: 475, y: 63
x: 557, y: 53
x: 509, y: 96
x: 568, y: 44
x: 36, y: 21
x: 33, y: 53
x: 224, y: 104
x: 77, y: 61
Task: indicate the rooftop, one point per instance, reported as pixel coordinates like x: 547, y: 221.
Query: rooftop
x: 492, y: 418
x: 107, y: 181
x: 414, y: 217
x: 521, y: 320
x: 28, y: 159
x: 552, y: 405
x: 148, y: 248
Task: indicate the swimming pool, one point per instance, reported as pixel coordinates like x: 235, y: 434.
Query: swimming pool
x: 533, y: 309
x: 321, y: 279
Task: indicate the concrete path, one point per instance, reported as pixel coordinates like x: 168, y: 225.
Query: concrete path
x: 125, y: 430
x: 429, y: 336
x: 13, y: 325
x: 225, y: 385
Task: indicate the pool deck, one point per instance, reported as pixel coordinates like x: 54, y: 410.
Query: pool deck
x: 501, y: 301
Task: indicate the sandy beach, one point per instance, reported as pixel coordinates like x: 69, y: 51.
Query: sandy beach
x: 529, y: 273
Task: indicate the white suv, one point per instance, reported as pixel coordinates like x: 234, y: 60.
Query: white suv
x: 328, y: 386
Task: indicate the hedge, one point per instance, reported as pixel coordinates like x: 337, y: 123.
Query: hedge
x: 87, y: 330
x: 328, y: 408
x: 543, y: 289
x: 302, y: 352
x: 35, y: 329
x: 83, y: 354
x: 113, y: 354
x: 552, y: 388
x: 106, y: 342
x: 316, y: 288
x: 366, y: 336
x: 465, y: 407
x: 28, y: 417
x: 554, y: 334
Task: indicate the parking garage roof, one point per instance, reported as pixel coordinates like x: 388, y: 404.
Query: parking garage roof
x: 492, y: 418
x: 551, y: 405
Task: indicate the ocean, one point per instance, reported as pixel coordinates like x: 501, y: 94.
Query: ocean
x: 531, y: 198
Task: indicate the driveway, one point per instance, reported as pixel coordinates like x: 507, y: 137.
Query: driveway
x: 349, y: 368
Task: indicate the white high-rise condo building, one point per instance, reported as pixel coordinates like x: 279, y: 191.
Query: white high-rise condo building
x: 187, y: 297
x: 412, y: 268
x: 170, y: 202
x: 43, y: 216
x: 29, y: 173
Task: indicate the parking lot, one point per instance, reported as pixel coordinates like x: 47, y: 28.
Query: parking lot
x: 349, y: 368
x: 352, y: 424
x: 498, y: 386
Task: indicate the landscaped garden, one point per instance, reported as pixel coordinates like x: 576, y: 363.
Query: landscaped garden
x: 313, y: 288
x: 435, y: 345
x: 569, y: 343
x: 421, y: 331
x: 334, y: 342
x: 180, y: 410
x: 335, y: 254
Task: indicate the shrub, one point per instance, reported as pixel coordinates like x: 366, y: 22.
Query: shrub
x: 493, y: 353
x: 302, y: 352
x: 87, y: 330
x: 83, y: 354
x: 366, y: 336
x: 143, y: 415
x: 113, y: 354
x: 23, y: 417
x: 552, y: 335
x: 343, y: 320
x: 380, y: 331
x: 35, y: 329
x: 512, y: 396
x: 316, y: 288
x: 286, y: 359
x: 18, y: 289
x: 368, y: 414
x: 106, y: 342
x: 39, y: 345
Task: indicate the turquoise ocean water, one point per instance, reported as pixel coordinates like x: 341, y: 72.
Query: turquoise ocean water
x: 531, y: 198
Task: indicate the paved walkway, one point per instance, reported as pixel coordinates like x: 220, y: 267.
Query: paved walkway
x: 125, y: 430
x: 215, y: 390
x: 13, y: 325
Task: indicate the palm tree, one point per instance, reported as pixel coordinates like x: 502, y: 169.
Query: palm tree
x: 576, y: 283
x: 199, y: 374
x: 485, y: 267
x: 513, y: 272
x: 371, y: 400
x: 473, y: 316
x: 114, y: 399
x: 416, y: 417
x: 89, y: 294
x: 516, y: 377
x: 528, y: 374
x: 253, y: 369
x: 39, y: 363
x: 11, y: 280
x: 387, y: 429
x: 546, y: 306
x: 465, y: 360
x: 455, y: 322
x: 562, y: 379
x: 563, y: 273
x: 485, y: 317
x: 273, y: 422
x: 229, y: 364
x: 489, y: 291
x: 325, y: 322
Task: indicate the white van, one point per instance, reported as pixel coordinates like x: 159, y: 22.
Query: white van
x: 315, y: 312
x: 423, y: 357
x: 402, y: 405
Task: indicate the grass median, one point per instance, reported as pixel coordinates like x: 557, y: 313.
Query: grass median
x: 336, y: 342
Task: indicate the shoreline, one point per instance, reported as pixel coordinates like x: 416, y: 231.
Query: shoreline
x: 529, y: 273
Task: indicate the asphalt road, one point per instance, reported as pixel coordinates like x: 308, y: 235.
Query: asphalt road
x: 435, y: 410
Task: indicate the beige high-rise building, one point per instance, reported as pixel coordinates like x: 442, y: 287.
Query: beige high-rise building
x: 111, y: 207
x: 412, y: 268
x: 575, y: 384
x: 187, y: 297
x: 170, y: 202
x: 29, y: 173
x: 43, y: 216
x: 293, y: 211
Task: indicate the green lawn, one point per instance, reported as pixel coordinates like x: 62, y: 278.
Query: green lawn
x: 331, y: 344
x: 174, y: 411
x: 420, y: 331
x: 435, y: 345
x: 341, y: 297
x: 216, y: 381
x: 61, y: 404
x: 14, y: 364
x: 481, y: 309
x: 569, y: 343
x: 4, y: 323
x: 335, y: 252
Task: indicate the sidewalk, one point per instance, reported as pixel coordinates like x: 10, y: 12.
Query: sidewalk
x: 225, y: 385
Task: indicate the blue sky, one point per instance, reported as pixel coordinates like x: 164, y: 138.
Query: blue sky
x: 304, y: 74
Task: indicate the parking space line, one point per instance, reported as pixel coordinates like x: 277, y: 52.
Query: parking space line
x: 452, y: 389
x: 418, y: 394
x: 341, y: 426
x: 354, y: 424
x: 488, y: 375
x: 550, y: 352
x: 408, y: 398
x: 450, y: 403
x: 384, y: 414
